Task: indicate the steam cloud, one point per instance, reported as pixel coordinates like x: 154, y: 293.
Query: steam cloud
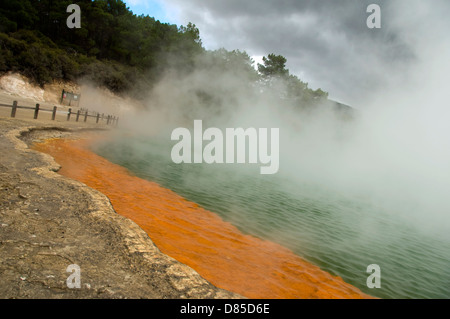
x: 396, y: 150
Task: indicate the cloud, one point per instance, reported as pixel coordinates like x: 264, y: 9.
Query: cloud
x: 326, y: 42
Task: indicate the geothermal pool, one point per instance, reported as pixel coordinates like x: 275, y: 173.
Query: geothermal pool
x: 341, y: 235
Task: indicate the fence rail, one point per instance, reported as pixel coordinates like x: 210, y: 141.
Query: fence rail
x: 110, y: 120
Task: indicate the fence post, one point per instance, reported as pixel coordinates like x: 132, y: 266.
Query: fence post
x: 85, y: 115
x: 54, y: 113
x: 14, y: 108
x: 78, y: 115
x: 98, y: 116
x: 107, y: 120
x: 68, y: 114
x: 36, y: 111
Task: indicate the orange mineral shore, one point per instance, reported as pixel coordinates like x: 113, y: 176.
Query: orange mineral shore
x: 216, y: 249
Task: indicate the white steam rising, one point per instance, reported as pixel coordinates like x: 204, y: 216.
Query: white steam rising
x: 396, y: 151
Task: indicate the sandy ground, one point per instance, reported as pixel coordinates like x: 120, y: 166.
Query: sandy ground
x: 48, y: 222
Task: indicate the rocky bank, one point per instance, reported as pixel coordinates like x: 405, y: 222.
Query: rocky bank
x: 48, y: 222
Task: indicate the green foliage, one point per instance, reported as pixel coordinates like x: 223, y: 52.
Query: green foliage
x: 35, y: 56
x: 16, y: 15
x: 274, y: 66
x: 276, y: 76
x: 124, y: 52
x: 112, y: 47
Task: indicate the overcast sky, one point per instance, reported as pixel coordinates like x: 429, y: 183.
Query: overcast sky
x: 326, y: 42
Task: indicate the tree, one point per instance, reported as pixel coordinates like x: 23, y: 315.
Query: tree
x: 122, y: 51
x: 276, y: 76
x: 15, y: 15
x: 274, y: 66
x: 192, y: 31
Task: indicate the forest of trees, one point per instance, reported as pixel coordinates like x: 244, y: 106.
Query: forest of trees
x: 119, y: 50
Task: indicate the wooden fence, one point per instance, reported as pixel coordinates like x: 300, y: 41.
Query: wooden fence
x: 84, y: 114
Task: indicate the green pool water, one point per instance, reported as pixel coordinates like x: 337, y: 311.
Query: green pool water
x: 341, y: 234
